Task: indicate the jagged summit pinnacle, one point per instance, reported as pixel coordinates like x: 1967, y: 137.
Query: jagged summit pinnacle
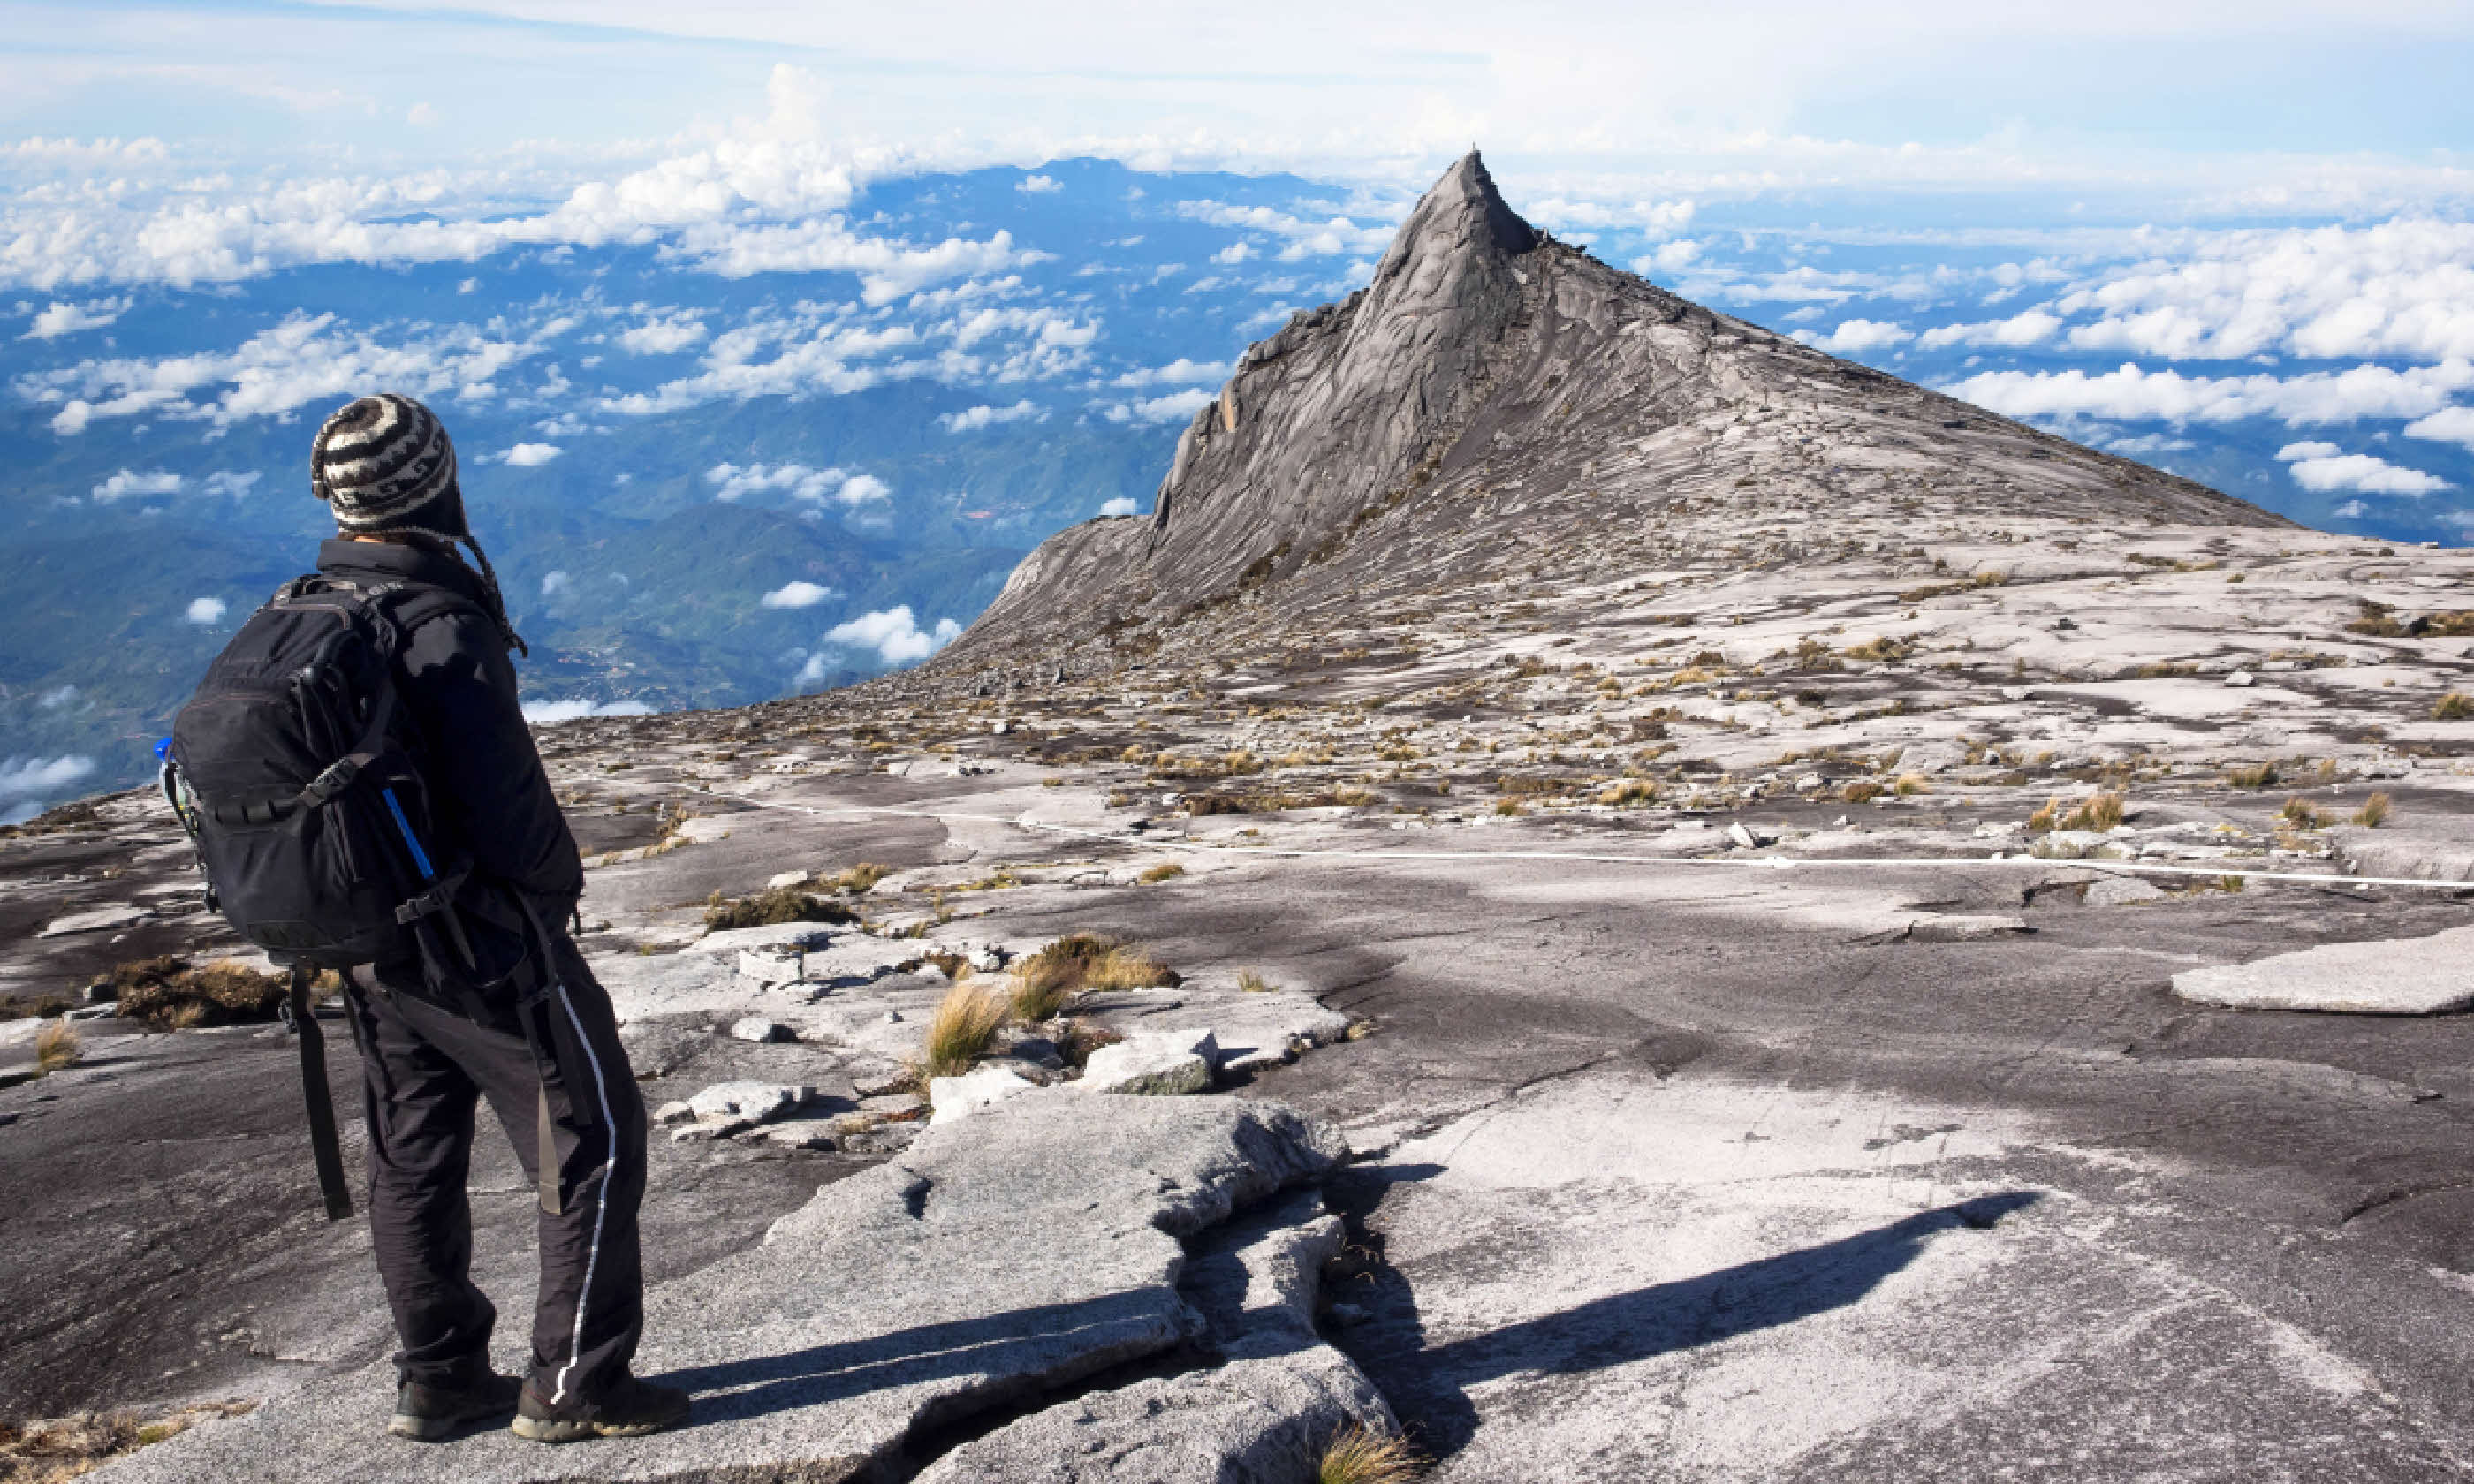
x: 1461, y: 210
x: 1494, y: 401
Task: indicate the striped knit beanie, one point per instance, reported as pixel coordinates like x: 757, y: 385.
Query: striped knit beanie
x: 385, y: 467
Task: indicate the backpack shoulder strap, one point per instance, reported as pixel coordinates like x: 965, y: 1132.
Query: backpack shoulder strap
x: 410, y: 605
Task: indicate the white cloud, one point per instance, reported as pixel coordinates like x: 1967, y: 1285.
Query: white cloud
x: 2132, y: 393
x: 730, y: 481
x: 64, y: 319
x: 1657, y: 218
x: 1234, y: 253
x: 542, y: 713
x: 129, y: 483
x: 231, y: 484
x: 894, y: 635
x: 814, y: 360
x: 421, y: 115
x: 555, y: 583
x: 973, y: 419
x: 1122, y: 505
x: 796, y: 595
x: 27, y: 783
x: 1169, y: 408
x: 1853, y: 337
x: 1670, y: 258
x: 2031, y: 328
x: 2351, y: 510
x: 1035, y: 185
x: 58, y: 697
x: 2448, y: 425
x: 1329, y: 237
x: 1179, y: 373
x: 664, y: 336
x: 302, y: 360
x: 2402, y: 288
x: 530, y: 455
x: 2147, y: 445
x: 2324, y: 466
x: 205, y: 610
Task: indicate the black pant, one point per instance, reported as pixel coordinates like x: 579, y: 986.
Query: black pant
x: 424, y: 1070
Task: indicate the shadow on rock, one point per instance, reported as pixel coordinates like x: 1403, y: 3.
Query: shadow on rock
x: 1428, y: 1385
x: 1015, y: 1343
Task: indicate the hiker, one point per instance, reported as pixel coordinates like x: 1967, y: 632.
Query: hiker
x: 513, y: 1016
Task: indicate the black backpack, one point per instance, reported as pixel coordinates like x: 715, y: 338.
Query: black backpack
x: 293, y: 768
x: 293, y: 771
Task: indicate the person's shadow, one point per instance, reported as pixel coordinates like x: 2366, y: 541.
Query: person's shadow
x: 1428, y: 1385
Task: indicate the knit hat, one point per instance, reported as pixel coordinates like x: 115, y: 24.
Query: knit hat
x: 384, y: 463
x: 385, y: 467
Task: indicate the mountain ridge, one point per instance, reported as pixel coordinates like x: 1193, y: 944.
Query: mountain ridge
x: 1491, y: 385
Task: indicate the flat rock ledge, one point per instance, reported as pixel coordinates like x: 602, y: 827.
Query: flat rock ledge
x: 1037, y: 1245
x: 2397, y: 976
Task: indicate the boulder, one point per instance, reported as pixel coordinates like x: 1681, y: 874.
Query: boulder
x: 94, y: 919
x: 780, y: 880
x: 956, y: 1098
x: 1157, y: 1063
x: 760, y: 1029
x: 755, y: 1100
x: 772, y: 965
x: 2393, y: 976
x: 1263, y: 1415
x: 2120, y: 891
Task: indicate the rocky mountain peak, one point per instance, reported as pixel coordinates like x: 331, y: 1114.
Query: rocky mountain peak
x: 1462, y: 219
x: 1496, y: 402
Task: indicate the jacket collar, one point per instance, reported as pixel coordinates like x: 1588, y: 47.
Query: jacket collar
x: 371, y: 563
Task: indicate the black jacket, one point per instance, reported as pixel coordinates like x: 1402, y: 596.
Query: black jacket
x: 484, y: 773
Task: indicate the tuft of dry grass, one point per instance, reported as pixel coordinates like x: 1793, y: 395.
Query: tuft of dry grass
x: 1050, y: 979
x: 1910, y: 784
x: 2255, y: 774
x: 1357, y: 1456
x: 2374, y: 812
x: 859, y: 880
x: 2043, y: 819
x: 56, y: 1046
x: 768, y: 909
x: 71, y: 1448
x: 1861, y: 792
x: 2454, y: 706
x: 2300, y: 811
x: 1165, y: 871
x: 1510, y: 808
x: 1253, y: 983
x: 169, y: 995
x: 2098, y: 812
x: 959, y: 1033
x: 1630, y: 792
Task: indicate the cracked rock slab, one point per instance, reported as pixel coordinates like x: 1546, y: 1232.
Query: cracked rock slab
x: 1263, y: 1415
x: 2396, y: 976
x: 1035, y: 1246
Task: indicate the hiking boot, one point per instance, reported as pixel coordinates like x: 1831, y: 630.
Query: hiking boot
x: 630, y: 1408
x: 427, y: 1413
